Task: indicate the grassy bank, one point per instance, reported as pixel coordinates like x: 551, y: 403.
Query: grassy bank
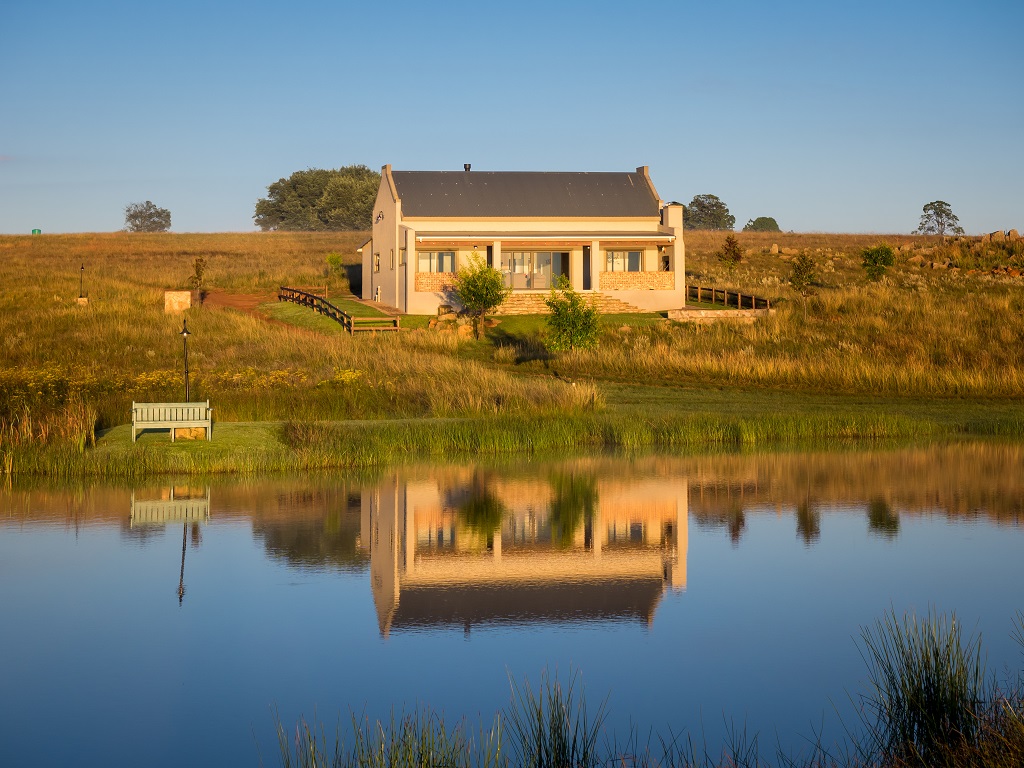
x: 925, y: 353
x: 929, y: 702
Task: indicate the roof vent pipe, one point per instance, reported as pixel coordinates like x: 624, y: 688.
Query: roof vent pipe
x: 467, y: 166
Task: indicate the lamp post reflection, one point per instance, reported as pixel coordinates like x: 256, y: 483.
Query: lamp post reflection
x: 185, y: 333
x: 189, y: 505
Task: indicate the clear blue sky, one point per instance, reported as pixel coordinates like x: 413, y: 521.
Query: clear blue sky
x: 844, y: 117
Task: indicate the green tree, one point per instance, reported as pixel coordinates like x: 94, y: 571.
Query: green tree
x: 876, y: 260
x: 146, y: 217
x: 708, y: 212
x: 937, y: 218
x: 761, y: 224
x: 803, y: 276
x: 573, y: 323
x: 480, y: 289
x: 730, y: 254
x: 319, y: 200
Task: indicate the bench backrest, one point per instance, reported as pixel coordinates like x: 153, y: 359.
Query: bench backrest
x: 171, y: 411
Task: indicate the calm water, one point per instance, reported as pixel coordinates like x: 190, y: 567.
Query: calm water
x: 691, y: 591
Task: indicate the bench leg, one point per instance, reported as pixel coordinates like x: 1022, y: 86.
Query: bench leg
x: 172, y: 434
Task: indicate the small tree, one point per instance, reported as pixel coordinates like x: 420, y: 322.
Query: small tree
x: 198, y: 278
x: 803, y: 277
x: 761, y: 224
x: 480, y: 289
x: 937, y: 218
x: 731, y: 254
x: 573, y: 323
x: 876, y: 260
x: 146, y: 217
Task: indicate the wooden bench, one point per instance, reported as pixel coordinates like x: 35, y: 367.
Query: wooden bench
x: 171, y: 416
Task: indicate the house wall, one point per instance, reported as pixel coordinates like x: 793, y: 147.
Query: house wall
x: 385, y: 246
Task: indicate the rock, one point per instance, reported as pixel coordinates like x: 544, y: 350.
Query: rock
x: 751, y: 251
x: 466, y: 331
x: 985, y: 238
x: 906, y: 247
x: 189, y: 433
x: 997, y: 237
x: 1013, y: 234
x: 940, y: 265
x: 1013, y: 272
x: 926, y: 251
x: 917, y: 261
x: 774, y: 250
x: 789, y: 251
x: 446, y: 317
x: 492, y: 322
x: 432, y: 323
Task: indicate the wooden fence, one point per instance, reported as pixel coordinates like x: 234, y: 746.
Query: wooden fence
x: 725, y: 297
x: 324, y: 307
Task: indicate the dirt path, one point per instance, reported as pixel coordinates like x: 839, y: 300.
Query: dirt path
x: 243, y: 302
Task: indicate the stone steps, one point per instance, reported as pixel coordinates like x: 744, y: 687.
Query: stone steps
x: 533, y: 304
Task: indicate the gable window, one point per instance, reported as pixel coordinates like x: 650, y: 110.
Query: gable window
x: 623, y: 261
x: 436, y: 261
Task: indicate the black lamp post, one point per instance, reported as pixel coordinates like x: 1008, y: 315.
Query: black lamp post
x: 81, y: 283
x: 184, y: 337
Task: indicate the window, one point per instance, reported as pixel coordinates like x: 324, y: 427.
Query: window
x: 376, y: 262
x: 401, y: 257
x: 436, y: 261
x: 623, y: 261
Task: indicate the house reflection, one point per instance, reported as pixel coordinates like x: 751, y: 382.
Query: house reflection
x: 471, y: 547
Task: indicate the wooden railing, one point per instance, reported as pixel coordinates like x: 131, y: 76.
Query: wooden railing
x: 324, y: 307
x: 725, y: 297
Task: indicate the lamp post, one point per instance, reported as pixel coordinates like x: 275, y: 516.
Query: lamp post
x: 184, y: 338
x: 81, y: 283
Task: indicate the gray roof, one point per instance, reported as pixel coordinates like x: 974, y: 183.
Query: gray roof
x: 524, y: 193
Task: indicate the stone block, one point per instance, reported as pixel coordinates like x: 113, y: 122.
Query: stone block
x: 176, y: 302
x: 1013, y: 234
x: 774, y: 250
x: 189, y: 433
x: 997, y: 237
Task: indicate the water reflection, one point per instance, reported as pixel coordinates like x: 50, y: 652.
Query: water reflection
x: 470, y: 546
x: 190, y: 506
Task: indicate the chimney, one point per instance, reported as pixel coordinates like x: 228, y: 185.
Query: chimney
x: 467, y: 166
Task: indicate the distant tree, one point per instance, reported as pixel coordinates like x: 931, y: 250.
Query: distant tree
x: 803, y: 276
x: 708, y: 212
x: 937, y: 219
x: 761, y: 224
x: 146, y: 217
x: 876, y: 260
x: 730, y: 254
x: 318, y: 200
x: 573, y: 322
x: 480, y: 289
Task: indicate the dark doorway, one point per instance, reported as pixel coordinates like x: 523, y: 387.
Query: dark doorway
x: 586, y: 267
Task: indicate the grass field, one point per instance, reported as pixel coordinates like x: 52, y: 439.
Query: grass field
x: 924, y: 353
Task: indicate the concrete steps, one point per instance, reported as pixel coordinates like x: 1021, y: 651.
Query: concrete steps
x: 532, y: 303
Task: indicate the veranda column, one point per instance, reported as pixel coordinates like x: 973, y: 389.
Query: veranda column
x: 596, y: 260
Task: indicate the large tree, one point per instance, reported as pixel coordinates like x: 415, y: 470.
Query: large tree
x: 317, y: 199
x: 146, y: 217
x: 761, y: 224
x: 708, y: 212
x: 938, y: 219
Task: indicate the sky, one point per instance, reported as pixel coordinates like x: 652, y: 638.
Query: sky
x: 829, y: 117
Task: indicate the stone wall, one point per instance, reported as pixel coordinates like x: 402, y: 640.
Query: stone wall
x: 638, y: 281
x: 431, y: 282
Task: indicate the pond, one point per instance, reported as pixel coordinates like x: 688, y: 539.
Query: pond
x: 172, y: 623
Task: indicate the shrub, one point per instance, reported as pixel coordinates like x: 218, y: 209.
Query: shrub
x: 480, y: 289
x: 573, y: 323
x: 730, y: 254
x: 876, y: 260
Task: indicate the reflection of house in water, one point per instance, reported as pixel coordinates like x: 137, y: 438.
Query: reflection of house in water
x: 472, y: 548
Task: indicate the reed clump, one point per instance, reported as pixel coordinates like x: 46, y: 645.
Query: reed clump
x: 930, y: 704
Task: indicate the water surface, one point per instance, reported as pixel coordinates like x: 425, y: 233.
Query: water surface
x: 166, y: 624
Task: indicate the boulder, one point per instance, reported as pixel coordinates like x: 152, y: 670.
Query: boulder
x: 940, y: 264
x: 1013, y: 272
x: 985, y: 238
x: 997, y: 237
x: 446, y: 317
x: 1013, y: 234
x: 906, y: 247
x: 917, y: 261
x: 432, y: 323
x: 465, y: 331
x: 774, y: 250
x: 789, y: 251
